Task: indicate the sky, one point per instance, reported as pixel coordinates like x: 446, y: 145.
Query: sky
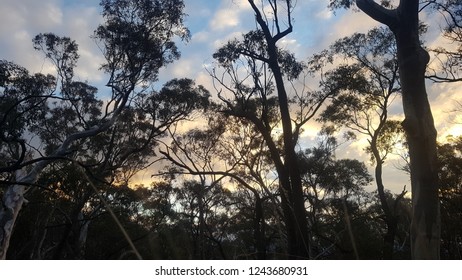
x: 212, y: 23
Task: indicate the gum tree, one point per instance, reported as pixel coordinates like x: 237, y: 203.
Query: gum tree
x: 136, y: 40
x: 418, y: 124
x: 367, y: 84
x: 256, y: 81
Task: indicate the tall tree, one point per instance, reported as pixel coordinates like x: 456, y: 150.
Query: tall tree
x: 109, y: 159
x: 418, y: 124
x: 338, y: 203
x: 230, y: 149
x: 136, y: 40
x: 251, y: 97
x: 367, y: 84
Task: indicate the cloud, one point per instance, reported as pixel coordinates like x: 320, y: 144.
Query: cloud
x: 445, y: 100
x: 231, y: 15
x: 212, y: 25
x: 20, y: 21
x: 201, y: 37
x: 325, y: 14
x: 352, y: 22
x: 222, y: 40
x: 224, y: 19
x: 81, y: 23
x: 289, y: 43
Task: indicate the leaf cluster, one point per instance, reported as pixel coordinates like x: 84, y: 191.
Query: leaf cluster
x: 137, y: 37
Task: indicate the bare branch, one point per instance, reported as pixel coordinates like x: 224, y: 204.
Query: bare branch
x: 378, y: 12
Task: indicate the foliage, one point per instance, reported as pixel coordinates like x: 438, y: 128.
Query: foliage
x: 48, y: 118
x: 136, y: 38
x: 238, y: 183
x: 448, y: 59
x: 450, y: 160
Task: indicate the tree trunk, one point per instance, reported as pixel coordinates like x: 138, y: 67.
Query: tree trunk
x: 296, y: 218
x: 293, y: 203
x: 201, y: 250
x: 259, y: 229
x: 418, y: 124
x: 12, y: 202
x: 421, y: 137
x: 390, y: 218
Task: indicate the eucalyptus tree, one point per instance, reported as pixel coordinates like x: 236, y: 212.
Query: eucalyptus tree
x: 366, y: 84
x: 418, y: 124
x: 136, y: 39
x: 257, y: 77
x: 194, y: 153
x: 338, y: 205
x: 229, y: 151
x: 208, y: 213
x: 450, y: 161
x: 448, y: 59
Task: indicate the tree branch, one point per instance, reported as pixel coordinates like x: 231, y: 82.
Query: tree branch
x: 378, y: 12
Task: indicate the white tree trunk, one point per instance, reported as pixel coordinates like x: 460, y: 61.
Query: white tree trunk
x: 13, y: 197
x: 12, y: 202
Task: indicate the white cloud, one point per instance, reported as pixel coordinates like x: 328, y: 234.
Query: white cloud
x: 201, y: 37
x: 349, y: 23
x: 231, y: 14
x: 81, y: 23
x: 220, y: 41
x: 289, y: 43
x: 30, y: 13
x: 184, y: 68
x: 224, y: 19
x: 445, y: 109
x: 51, y: 13
x: 203, y: 78
x: 11, y: 17
x: 20, y: 21
x: 325, y: 14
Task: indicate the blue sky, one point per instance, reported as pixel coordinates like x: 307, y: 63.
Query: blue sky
x: 212, y: 23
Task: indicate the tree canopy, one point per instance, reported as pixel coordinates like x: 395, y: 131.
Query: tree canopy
x: 278, y: 156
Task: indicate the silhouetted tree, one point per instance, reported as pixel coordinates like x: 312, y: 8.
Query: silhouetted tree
x: 229, y: 149
x: 365, y: 86
x: 253, y: 97
x: 448, y: 58
x: 450, y: 161
x: 136, y: 40
x: 420, y: 130
x: 337, y: 202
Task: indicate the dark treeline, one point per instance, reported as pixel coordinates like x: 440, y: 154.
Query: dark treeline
x: 237, y: 183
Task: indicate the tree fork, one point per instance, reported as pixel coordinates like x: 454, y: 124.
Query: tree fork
x: 294, y: 211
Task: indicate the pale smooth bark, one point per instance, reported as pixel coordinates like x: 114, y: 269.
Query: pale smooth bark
x: 418, y: 124
x: 13, y: 198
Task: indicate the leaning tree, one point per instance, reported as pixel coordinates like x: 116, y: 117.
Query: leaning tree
x: 136, y: 39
